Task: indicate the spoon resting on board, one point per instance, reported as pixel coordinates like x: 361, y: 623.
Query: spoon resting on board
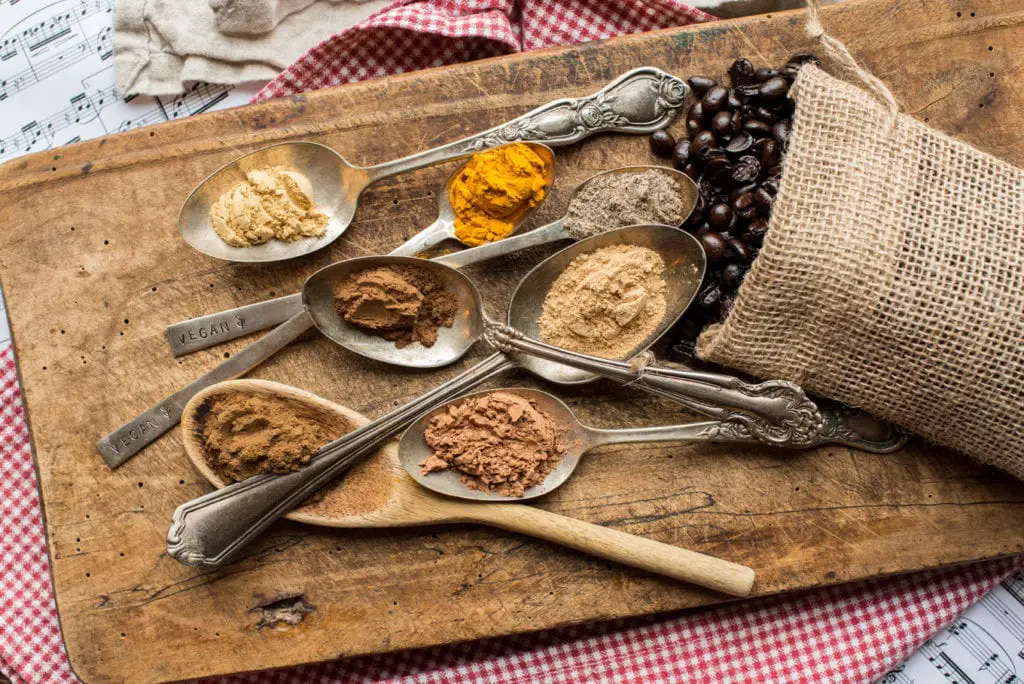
x: 206, y: 331
x: 640, y: 101
x: 400, y: 502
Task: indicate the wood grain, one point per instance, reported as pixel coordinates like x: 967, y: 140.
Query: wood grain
x: 93, y: 270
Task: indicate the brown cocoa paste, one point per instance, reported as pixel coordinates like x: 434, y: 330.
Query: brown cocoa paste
x: 244, y: 434
x: 500, y: 442
x: 401, y: 303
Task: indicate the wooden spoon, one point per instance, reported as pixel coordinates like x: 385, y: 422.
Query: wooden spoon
x: 377, y: 492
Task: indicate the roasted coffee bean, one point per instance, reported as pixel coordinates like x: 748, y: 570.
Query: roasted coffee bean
x: 737, y: 122
x: 696, y: 113
x: 741, y: 189
x: 662, y: 143
x: 749, y: 90
x: 728, y: 302
x: 737, y: 249
x: 734, y: 100
x: 803, y: 58
x: 693, y: 172
x: 766, y: 115
x: 743, y: 201
x: 764, y: 200
x: 769, y: 153
x: 765, y: 74
x: 680, y: 153
x: 748, y: 213
x: 701, y: 84
x: 720, y: 216
x: 714, y: 247
x: 771, y: 186
x: 757, y: 128
x: 721, y: 123
x: 715, y: 100
x: 747, y: 168
x: 693, y: 126
x: 773, y: 172
x: 773, y: 89
x: 741, y: 72
x: 740, y: 143
x: 702, y: 140
x: 755, y: 231
x: 780, y: 132
x: 732, y: 274
x: 710, y: 297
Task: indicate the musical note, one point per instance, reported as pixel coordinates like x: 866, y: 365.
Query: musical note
x: 57, y: 79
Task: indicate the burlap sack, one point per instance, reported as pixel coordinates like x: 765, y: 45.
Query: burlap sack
x: 891, y: 277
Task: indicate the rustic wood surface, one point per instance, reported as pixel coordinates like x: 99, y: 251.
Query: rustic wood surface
x: 93, y: 270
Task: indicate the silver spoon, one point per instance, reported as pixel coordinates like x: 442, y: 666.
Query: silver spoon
x: 206, y: 331
x: 209, y: 530
x: 640, y: 101
x: 880, y: 437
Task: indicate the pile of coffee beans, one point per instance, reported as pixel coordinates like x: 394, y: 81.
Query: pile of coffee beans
x: 738, y: 136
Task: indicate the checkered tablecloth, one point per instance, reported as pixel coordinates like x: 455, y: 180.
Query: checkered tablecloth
x: 851, y: 633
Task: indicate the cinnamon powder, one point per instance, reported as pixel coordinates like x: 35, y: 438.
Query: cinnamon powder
x: 244, y: 434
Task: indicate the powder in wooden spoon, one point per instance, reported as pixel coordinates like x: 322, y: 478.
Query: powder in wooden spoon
x: 500, y: 442
x: 244, y: 434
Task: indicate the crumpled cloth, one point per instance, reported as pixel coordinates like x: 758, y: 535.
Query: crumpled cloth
x: 848, y: 633
x: 159, y: 45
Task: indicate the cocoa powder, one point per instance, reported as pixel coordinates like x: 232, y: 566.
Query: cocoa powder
x: 500, y: 442
x: 401, y: 303
x: 244, y: 434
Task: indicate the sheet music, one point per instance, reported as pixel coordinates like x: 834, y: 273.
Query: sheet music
x: 57, y: 82
x: 985, y: 645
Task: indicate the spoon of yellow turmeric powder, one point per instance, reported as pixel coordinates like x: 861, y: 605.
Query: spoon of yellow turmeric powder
x: 489, y: 197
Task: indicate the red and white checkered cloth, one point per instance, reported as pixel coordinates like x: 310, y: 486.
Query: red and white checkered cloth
x: 850, y: 633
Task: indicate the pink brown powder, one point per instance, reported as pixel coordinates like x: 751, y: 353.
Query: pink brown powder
x: 500, y: 442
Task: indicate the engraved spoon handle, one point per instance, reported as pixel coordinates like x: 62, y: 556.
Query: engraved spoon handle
x: 776, y: 412
x: 434, y: 234
x: 209, y: 530
x: 141, y: 431
x: 640, y: 101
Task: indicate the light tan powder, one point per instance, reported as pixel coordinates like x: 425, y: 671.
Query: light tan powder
x: 606, y: 302
x: 273, y: 202
x: 500, y: 442
x: 244, y: 434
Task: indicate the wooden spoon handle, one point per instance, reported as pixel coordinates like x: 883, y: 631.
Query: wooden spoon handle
x: 622, y: 547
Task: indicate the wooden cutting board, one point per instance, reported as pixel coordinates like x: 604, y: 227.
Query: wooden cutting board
x: 93, y: 270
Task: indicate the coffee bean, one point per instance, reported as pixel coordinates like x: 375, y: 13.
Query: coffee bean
x: 734, y: 100
x: 732, y: 274
x: 737, y: 122
x: 764, y: 200
x: 764, y: 75
x: 748, y: 90
x: 755, y: 231
x: 728, y: 301
x: 773, y: 89
x: 721, y: 123
x: 696, y: 113
x: 803, y: 58
x: 774, y: 172
x: 743, y: 201
x: 767, y: 115
x: 681, y: 154
x: 693, y: 172
x: 741, y: 72
x: 693, y: 126
x: 715, y: 100
x: 701, y: 84
x: 710, y: 297
x: 757, y: 128
x: 781, y: 132
x: 737, y: 249
x: 714, y: 247
x: 740, y: 143
x: 747, y: 168
x: 771, y: 186
x: 769, y: 153
x: 741, y: 189
x: 662, y: 143
x: 720, y: 216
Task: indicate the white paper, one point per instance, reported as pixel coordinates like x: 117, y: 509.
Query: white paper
x: 57, y: 82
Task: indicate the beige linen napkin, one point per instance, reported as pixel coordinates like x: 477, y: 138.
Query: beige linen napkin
x: 161, y: 44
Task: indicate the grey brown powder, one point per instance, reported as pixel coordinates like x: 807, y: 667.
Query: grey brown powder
x: 625, y: 199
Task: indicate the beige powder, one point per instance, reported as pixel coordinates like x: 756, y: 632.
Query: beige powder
x: 606, y: 302
x: 273, y: 202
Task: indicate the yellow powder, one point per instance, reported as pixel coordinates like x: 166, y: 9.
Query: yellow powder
x: 494, y: 190
x: 273, y: 202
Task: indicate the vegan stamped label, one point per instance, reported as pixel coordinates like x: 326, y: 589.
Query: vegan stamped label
x: 200, y: 333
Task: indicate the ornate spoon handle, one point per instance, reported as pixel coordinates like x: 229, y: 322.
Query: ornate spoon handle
x: 640, y: 101
x: 775, y: 412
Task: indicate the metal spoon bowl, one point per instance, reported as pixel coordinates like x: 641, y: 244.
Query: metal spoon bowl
x: 336, y: 187
x: 684, y: 261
